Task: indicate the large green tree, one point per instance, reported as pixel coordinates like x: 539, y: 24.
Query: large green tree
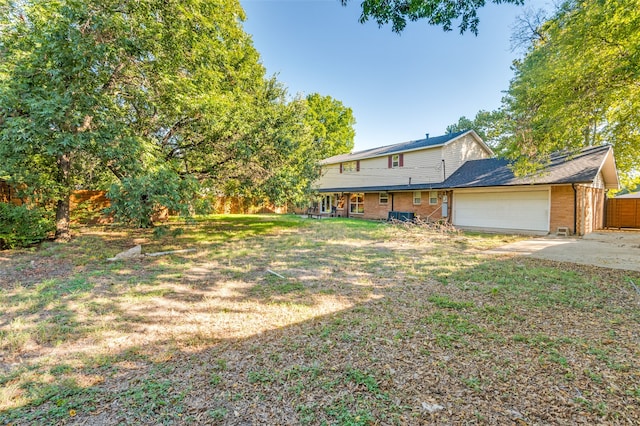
x: 489, y: 125
x: 436, y: 12
x: 168, y: 96
x: 579, y: 82
x: 331, y: 125
x: 327, y: 130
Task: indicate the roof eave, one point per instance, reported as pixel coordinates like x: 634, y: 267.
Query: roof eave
x: 384, y: 188
x: 609, y: 171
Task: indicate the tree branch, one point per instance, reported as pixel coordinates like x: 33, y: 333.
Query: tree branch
x: 112, y: 77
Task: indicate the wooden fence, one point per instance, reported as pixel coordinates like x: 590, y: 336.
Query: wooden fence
x: 87, y: 206
x: 623, y: 213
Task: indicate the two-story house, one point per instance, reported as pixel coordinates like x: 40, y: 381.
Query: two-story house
x: 457, y: 177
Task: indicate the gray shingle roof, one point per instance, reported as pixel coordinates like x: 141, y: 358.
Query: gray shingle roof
x: 563, y: 168
x: 396, y: 148
x: 581, y: 167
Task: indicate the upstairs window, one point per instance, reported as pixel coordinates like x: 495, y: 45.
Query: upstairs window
x: 417, y: 197
x: 396, y: 161
x: 350, y: 167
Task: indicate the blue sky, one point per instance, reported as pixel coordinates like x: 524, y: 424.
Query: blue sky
x: 399, y: 86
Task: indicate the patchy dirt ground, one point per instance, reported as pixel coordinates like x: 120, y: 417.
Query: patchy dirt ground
x: 371, y: 325
x: 607, y: 249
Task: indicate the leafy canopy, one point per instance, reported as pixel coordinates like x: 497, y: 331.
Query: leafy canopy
x: 437, y: 12
x: 331, y: 125
x: 161, y: 100
x: 579, y: 83
x: 489, y: 125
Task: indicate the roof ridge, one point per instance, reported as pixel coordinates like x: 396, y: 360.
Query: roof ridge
x: 581, y: 151
x: 397, y: 147
x: 451, y: 135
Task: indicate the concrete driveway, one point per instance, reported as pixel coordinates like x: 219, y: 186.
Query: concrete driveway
x: 608, y: 249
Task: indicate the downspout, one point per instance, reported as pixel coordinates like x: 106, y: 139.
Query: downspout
x: 391, y: 193
x: 575, y: 209
x: 444, y: 171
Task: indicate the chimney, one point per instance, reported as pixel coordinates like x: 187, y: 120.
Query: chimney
x: 427, y: 135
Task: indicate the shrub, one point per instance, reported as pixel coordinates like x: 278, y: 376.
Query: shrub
x: 137, y: 200
x: 21, y: 226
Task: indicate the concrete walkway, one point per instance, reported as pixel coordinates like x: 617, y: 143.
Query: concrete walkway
x: 608, y: 249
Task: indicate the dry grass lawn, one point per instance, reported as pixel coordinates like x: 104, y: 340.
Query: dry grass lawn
x: 367, y: 324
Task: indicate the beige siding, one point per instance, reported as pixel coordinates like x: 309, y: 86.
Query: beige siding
x: 330, y: 177
x: 424, y: 166
x: 427, y: 165
x: 459, y: 151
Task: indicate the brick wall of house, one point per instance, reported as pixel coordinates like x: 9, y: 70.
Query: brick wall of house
x: 561, y: 208
x: 593, y: 202
x: 584, y: 210
x: 601, y: 199
x: 402, y: 202
x: 373, y: 209
x: 590, y: 208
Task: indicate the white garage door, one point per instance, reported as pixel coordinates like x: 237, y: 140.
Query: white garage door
x: 527, y: 210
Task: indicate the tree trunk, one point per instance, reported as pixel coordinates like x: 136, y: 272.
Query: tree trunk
x: 63, y: 233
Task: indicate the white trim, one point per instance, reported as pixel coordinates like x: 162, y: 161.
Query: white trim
x: 413, y: 195
x: 430, y: 203
x: 610, y: 161
x: 356, y: 194
x: 519, y: 188
x: 323, y: 205
x: 395, y: 164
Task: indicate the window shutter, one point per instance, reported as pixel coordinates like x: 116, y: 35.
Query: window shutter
x: 401, y: 160
x: 390, y: 161
x: 358, y: 166
x: 340, y: 167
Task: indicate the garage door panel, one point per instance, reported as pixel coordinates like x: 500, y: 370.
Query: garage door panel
x: 503, y: 210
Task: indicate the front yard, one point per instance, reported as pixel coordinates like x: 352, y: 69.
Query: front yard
x: 282, y: 320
